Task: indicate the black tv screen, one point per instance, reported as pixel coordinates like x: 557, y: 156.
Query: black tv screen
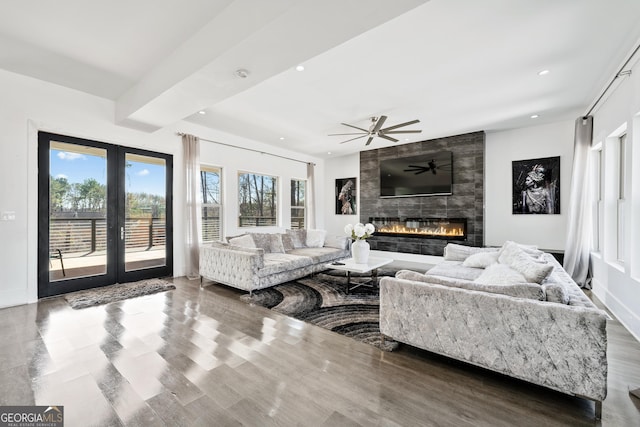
x: 422, y: 175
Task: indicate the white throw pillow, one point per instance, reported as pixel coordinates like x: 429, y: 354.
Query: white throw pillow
x: 244, y: 241
x: 516, y: 258
x: 500, y: 274
x: 315, y: 238
x: 481, y: 259
x: 456, y: 252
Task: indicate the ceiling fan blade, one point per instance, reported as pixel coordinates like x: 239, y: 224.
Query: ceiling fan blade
x: 400, y: 131
x: 357, y: 137
x: 352, y: 133
x: 379, y: 124
x: 355, y: 127
x: 369, y: 140
x: 401, y: 125
x: 381, y: 135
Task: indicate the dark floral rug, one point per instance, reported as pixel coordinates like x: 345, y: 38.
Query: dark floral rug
x: 322, y: 300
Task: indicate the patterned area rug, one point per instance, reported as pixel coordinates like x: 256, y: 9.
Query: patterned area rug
x: 323, y: 301
x: 118, y: 292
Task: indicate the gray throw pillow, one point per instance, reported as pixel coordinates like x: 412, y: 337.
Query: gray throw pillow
x: 275, y: 244
x: 287, y: 242
x: 262, y: 241
x: 299, y: 238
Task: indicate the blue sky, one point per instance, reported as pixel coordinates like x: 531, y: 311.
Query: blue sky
x: 76, y: 167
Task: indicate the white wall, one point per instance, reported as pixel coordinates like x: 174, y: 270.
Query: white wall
x: 29, y: 105
x: 337, y: 168
x: 617, y: 285
x: 550, y: 140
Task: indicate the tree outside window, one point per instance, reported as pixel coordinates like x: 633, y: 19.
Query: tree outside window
x: 298, y: 203
x: 257, y: 200
x: 210, y: 179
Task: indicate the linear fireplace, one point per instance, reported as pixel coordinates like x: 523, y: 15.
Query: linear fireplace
x: 428, y: 228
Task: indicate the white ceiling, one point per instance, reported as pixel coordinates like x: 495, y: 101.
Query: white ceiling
x: 456, y: 65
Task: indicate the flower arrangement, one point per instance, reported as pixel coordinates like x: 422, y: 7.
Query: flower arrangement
x: 359, y: 231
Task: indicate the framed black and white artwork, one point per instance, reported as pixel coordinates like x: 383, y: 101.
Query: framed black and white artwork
x: 536, y: 186
x: 346, y: 196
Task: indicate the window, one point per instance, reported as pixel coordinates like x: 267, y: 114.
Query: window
x: 598, y: 198
x: 298, y: 203
x: 622, y: 172
x: 257, y: 200
x: 210, y: 184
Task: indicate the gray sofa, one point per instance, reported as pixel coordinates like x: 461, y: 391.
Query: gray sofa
x: 547, y: 332
x: 260, y: 260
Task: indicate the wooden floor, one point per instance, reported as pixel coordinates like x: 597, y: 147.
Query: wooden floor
x: 201, y: 357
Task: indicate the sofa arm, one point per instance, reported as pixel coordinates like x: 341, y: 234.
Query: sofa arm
x: 231, y: 265
x: 557, y: 346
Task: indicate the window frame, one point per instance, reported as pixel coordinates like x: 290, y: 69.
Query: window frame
x: 274, y: 219
x: 204, y: 168
x: 303, y: 207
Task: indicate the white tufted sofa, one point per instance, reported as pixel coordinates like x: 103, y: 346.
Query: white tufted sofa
x: 252, y: 268
x: 559, y: 344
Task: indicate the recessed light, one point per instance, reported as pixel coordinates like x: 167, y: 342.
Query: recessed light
x: 543, y: 73
x: 328, y: 152
x: 282, y: 138
x: 202, y: 112
x: 300, y: 67
x: 534, y: 116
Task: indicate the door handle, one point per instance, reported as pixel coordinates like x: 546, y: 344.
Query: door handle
x: 121, y: 233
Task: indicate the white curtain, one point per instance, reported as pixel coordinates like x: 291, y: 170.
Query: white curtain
x: 193, y: 205
x: 311, y: 196
x: 578, y: 244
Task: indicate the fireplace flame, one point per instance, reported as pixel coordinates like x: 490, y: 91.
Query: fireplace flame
x: 426, y: 231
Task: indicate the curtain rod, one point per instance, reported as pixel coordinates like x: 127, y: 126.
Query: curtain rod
x: 249, y: 149
x: 620, y: 73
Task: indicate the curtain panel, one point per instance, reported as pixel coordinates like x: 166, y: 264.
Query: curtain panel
x: 193, y: 205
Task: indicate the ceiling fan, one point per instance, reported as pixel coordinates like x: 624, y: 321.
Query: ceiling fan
x: 376, y: 129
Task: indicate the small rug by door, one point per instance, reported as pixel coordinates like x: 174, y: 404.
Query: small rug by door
x: 322, y: 300
x: 118, y: 292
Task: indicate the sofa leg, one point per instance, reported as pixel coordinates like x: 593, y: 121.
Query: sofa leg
x: 598, y: 409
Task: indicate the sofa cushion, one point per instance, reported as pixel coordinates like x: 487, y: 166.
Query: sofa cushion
x: 279, y: 262
x: 299, y: 238
x: 456, y: 252
x: 338, y: 242
x: 287, y: 242
x: 244, y: 241
x: 516, y: 258
x: 481, y: 259
x: 555, y: 292
x: 517, y: 290
x: 319, y: 255
x: 315, y: 238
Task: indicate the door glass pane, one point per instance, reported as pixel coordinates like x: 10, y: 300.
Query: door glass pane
x: 77, y: 211
x: 144, y: 230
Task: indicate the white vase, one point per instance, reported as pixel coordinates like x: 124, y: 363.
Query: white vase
x: 360, y: 251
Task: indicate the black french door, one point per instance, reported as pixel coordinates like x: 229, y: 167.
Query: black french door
x: 104, y: 214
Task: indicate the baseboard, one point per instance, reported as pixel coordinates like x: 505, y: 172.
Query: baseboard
x: 623, y: 314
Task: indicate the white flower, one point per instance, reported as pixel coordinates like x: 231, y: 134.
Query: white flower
x: 359, y: 231
x: 348, y: 229
x: 369, y: 228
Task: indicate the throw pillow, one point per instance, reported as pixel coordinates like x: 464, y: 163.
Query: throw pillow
x: 500, y: 274
x: 275, y: 244
x: 481, y: 259
x: 244, y: 241
x: 262, y: 241
x: 516, y: 258
x: 299, y: 238
x: 455, y: 252
x: 315, y: 238
x: 287, y: 242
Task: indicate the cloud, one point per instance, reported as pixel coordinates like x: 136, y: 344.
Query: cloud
x: 61, y: 175
x: 143, y: 172
x: 65, y: 155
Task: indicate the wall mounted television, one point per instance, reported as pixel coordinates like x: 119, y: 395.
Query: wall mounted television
x: 422, y: 175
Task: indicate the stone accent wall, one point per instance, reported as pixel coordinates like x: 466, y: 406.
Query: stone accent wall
x: 467, y: 200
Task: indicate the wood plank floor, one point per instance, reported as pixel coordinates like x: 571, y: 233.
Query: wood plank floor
x: 201, y: 357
